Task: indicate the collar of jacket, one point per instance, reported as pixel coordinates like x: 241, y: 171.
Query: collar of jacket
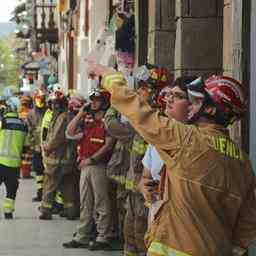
x: 214, y: 128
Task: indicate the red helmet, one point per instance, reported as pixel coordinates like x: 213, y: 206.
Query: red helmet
x: 26, y: 100
x: 39, y: 98
x: 161, y: 98
x: 56, y: 95
x: 39, y: 93
x: 153, y: 76
x: 160, y: 76
x: 227, y: 93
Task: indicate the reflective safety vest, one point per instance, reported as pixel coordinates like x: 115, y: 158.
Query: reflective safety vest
x: 93, y: 140
x: 46, y: 123
x: 13, y: 133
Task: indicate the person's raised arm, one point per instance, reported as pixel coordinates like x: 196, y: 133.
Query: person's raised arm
x: 72, y: 131
x: 160, y: 131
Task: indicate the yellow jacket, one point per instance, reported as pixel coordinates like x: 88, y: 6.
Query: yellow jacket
x: 209, y: 201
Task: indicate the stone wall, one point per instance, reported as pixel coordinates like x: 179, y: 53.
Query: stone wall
x: 199, y: 36
x: 162, y: 31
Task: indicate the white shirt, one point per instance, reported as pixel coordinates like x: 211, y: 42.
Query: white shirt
x: 153, y: 162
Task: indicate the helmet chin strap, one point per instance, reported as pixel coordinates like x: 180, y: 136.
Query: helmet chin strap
x: 225, y: 121
x: 201, y: 112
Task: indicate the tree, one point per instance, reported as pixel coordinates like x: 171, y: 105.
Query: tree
x: 10, y: 63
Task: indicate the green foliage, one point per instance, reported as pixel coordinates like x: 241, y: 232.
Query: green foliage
x: 9, y: 63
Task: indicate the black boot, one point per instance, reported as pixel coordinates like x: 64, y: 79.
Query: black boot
x: 8, y: 216
x: 38, y: 197
x: 99, y: 246
x: 74, y: 244
x: 69, y: 214
x: 57, y: 208
x: 45, y: 216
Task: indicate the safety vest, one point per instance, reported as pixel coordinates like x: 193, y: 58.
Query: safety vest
x: 46, y: 123
x: 12, y: 139
x: 93, y: 140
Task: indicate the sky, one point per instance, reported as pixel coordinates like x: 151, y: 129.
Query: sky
x: 6, y: 7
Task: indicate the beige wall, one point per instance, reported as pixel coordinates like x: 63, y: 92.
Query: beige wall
x: 97, y: 18
x: 232, y: 51
x: 186, y: 35
x: 227, y: 36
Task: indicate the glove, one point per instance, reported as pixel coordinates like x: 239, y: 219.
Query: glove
x: 109, y: 75
x: 109, y: 79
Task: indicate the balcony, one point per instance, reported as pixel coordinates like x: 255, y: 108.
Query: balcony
x: 45, y: 18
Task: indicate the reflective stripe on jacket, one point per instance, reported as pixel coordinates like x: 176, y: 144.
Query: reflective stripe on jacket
x: 119, y: 163
x: 34, y: 121
x: 93, y: 139
x: 47, y: 118
x: 12, y: 138
x: 138, y: 149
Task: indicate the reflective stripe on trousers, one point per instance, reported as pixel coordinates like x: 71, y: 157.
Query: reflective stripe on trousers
x: 118, y: 179
x: 139, y: 147
x: 39, y: 181
x: 159, y: 249
x: 54, y: 161
x: 59, y: 198
x: 8, y: 205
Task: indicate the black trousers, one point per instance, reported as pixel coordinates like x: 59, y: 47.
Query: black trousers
x: 10, y: 177
x: 37, y: 164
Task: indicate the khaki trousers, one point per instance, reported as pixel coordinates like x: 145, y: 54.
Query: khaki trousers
x: 58, y: 179
x: 135, y: 225
x: 95, y: 205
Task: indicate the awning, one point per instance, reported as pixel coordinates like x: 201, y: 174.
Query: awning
x: 31, y: 65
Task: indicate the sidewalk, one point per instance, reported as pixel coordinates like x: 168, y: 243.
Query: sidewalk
x: 26, y: 235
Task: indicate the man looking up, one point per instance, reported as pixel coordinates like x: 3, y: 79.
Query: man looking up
x: 209, y: 199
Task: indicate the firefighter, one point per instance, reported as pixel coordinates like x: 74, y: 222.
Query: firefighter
x: 34, y: 120
x: 136, y: 218
x: 26, y: 105
x: 152, y: 162
x: 95, y: 151
x: 13, y: 134
x: 58, y: 161
x: 26, y: 163
x: 118, y: 166
x: 58, y: 206
x: 209, y: 202
x: 75, y: 102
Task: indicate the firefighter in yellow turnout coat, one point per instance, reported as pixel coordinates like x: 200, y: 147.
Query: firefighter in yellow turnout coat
x: 58, y: 160
x: 34, y: 120
x: 209, y: 199
x: 119, y: 164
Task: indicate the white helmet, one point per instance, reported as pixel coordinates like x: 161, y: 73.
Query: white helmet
x: 13, y: 104
x: 9, y: 91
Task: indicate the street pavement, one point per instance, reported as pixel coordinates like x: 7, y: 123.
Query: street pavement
x: 26, y: 235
